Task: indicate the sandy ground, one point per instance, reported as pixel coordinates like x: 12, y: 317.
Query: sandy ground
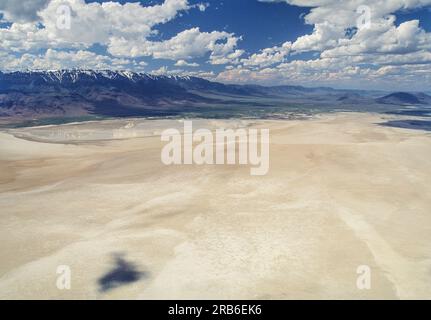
x: 341, y: 192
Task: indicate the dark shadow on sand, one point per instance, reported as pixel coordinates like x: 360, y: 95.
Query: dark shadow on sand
x: 409, y: 124
x: 426, y: 113
x: 123, y: 273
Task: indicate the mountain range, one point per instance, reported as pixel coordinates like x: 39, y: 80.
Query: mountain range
x: 86, y: 93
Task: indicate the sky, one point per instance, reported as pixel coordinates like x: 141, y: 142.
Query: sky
x: 364, y: 44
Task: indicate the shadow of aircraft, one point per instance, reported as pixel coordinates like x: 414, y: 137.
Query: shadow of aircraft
x: 123, y: 273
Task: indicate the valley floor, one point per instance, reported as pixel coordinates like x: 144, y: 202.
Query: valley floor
x: 341, y: 192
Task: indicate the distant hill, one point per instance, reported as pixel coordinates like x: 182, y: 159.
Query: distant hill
x: 405, y: 98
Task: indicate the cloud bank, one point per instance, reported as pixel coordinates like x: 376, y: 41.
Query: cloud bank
x: 353, y: 42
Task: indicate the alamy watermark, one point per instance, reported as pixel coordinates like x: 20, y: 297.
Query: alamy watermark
x: 64, y: 278
x: 363, y: 282
x: 64, y: 17
x: 225, y: 146
x: 364, y: 19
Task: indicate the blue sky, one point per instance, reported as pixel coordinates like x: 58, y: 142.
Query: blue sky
x: 261, y: 25
x: 359, y: 44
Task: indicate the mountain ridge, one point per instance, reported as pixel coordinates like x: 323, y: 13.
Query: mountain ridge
x: 82, y: 92
x: 406, y: 98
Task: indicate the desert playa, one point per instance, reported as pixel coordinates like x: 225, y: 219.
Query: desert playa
x: 342, y: 191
